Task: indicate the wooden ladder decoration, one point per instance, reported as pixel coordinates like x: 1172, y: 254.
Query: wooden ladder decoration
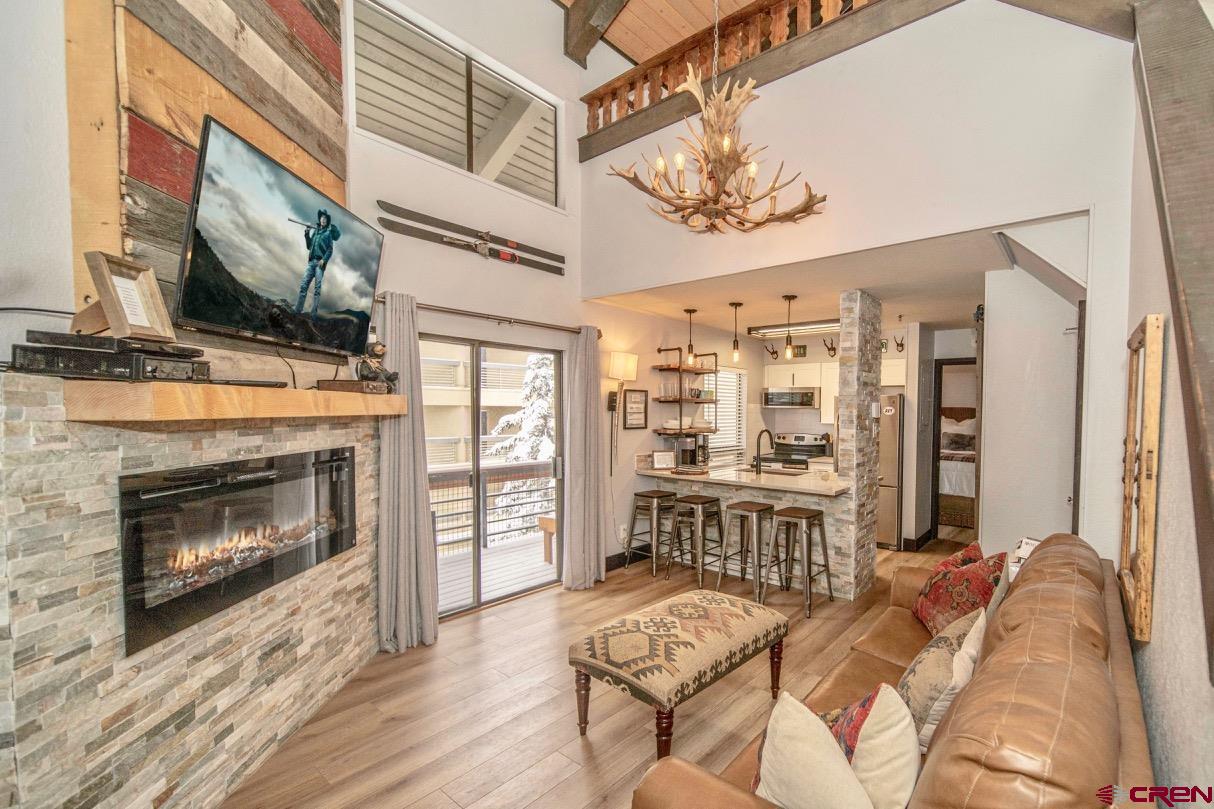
x: 1140, y: 474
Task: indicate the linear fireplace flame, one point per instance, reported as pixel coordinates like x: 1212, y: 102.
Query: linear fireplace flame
x: 196, y: 565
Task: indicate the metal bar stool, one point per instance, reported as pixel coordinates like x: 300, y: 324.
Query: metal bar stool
x: 652, y: 504
x: 751, y: 515
x: 693, y: 512
x: 800, y: 521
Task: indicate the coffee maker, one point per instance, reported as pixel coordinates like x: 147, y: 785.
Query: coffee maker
x: 692, y: 452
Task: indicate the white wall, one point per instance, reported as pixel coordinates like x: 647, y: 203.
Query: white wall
x: 979, y: 115
x: 955, y: 344
x: 36, y: 262
x: 959, y: 386
x: 1028, y: 413
x: 1178, y: 699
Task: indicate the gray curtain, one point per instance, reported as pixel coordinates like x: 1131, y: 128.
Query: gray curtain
x: 587, y: 520
x: 408, y: 564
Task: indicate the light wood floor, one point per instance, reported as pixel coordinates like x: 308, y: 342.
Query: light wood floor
x: 485, y: 718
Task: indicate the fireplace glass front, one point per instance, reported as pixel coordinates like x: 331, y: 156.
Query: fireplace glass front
x: 198, y: 540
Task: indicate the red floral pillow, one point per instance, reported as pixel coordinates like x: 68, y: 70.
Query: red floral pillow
x: 846, y: 727
x: 955, y: 591
x: 966, y: 556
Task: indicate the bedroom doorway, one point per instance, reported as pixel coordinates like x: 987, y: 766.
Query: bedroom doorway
x: 955, y: 442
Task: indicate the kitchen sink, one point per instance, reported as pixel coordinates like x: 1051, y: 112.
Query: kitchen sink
x: 788, y: 473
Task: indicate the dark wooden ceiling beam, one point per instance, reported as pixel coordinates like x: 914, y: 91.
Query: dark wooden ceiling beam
x: 585, y: 23
x: 1112, y: 17
x: 1174, y: 67
x: 875, y: 19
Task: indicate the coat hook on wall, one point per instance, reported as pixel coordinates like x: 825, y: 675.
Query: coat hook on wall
x: 900, y: 344
x: 831, y: 348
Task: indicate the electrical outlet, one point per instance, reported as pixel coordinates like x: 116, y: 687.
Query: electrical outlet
x: 622, y: 532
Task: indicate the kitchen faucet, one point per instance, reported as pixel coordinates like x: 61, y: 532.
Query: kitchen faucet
x: 758, y: 464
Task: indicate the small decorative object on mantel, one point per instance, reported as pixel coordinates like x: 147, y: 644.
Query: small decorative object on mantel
x: 1140, y: 474
x: 371, y: 367
x: 481, y: 242
x: 636, y: 409
x: 726, y: 167
x: 128, y: 301
x: 354, y: 386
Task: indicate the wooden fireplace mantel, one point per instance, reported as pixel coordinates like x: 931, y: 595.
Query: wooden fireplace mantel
x: 93, y: 401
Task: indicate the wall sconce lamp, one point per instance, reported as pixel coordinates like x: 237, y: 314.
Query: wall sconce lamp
x: 622, y: 367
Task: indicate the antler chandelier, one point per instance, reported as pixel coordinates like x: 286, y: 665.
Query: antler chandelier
x: 727, y: 171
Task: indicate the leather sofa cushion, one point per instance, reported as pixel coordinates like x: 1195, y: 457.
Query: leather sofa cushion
x: 896, y: 637
x: 1045, y: 605
x: 856, y: 676
x: 1037, y: 726
x: 1061, y: 557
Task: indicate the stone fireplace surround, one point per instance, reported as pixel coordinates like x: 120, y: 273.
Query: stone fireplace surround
x: 182, y: 722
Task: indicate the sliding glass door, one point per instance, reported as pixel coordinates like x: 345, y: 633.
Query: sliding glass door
x: 493, y: 448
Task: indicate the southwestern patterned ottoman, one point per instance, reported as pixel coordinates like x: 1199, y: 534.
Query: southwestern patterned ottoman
x: 665, y: 654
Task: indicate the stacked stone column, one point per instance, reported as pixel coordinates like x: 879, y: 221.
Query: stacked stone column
x: 856, y: 443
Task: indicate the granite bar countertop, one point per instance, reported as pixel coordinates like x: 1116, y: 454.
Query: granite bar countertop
x: 809, y: 483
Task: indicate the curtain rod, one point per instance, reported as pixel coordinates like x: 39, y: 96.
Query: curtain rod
x: 511, y: 321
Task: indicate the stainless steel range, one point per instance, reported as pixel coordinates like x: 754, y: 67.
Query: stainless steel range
x: 796, y: 450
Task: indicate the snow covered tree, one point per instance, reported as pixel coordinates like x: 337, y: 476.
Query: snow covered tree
x: 530, y: 435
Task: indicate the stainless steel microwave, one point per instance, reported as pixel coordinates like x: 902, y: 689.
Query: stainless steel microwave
x: 790, y: 397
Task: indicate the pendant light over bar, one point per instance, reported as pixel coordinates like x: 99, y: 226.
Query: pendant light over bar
x: 691, y: 349
x: 736, y: 353
x: 788, y: 332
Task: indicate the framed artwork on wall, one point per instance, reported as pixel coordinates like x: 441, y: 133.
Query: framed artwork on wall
x: 636, y: 409
x: 663, y: 459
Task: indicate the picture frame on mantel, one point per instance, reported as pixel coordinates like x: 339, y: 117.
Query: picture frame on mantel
x: 128, y: 304
x: 636, y: 409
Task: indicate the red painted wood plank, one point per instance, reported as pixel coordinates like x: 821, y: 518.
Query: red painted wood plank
x: 155, y: 158
x: 311, y: 33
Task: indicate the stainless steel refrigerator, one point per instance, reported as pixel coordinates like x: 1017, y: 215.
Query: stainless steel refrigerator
x: 889, y: 471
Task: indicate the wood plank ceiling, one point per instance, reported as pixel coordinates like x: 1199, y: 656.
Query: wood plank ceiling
x: 645, y: 28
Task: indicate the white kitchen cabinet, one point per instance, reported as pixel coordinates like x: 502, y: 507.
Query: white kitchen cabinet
x: 893, y: 373
x: 793, y: 375
x: 830, y: 389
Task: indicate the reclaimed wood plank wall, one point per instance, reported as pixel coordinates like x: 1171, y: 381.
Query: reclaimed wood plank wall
x: 270, y: 70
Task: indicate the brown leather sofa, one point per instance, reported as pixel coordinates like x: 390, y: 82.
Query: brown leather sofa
x: 1051, y: 715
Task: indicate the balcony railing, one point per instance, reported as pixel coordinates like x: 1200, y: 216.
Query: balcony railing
x: 759, y: 27
x: 515, y: 495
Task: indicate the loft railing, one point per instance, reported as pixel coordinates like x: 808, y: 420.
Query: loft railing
x: 745, y: 34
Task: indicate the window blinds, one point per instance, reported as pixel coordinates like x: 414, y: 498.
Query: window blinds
x: 727, y: 445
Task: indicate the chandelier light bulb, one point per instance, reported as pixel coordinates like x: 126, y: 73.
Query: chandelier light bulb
x: 752, y: 169
x: 679, y: 160
x: 726, y: 143
x: 660, y: 164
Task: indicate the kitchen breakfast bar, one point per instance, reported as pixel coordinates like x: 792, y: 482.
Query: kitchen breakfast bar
x: 820, y: 490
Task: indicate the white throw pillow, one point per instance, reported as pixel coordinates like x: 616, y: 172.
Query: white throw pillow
x: 801, y: 765
x: 963, y: 671
x: 885, y: 750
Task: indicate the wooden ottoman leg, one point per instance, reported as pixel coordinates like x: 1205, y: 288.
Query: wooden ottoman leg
x: 581, y: 686
x: 777, y: 656
x: 665, y: 723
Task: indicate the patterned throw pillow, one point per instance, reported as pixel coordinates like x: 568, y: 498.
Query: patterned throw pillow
x: 938, y: 673
x: 955, y: 591
x: 878, y: 738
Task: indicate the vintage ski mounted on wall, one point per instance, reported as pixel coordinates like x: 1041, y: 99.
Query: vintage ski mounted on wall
x: 483, y: 243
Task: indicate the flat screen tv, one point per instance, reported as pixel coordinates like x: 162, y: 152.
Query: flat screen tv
x: 269, y: 257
